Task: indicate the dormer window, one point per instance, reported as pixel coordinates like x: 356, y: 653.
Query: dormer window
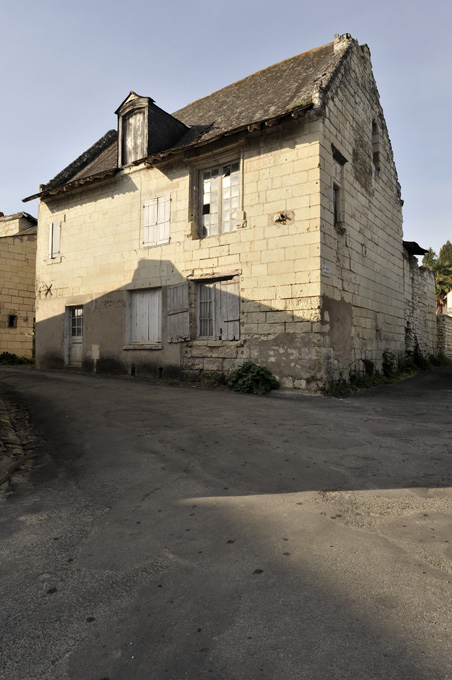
x: 144, y: 129
x: 133, y: 128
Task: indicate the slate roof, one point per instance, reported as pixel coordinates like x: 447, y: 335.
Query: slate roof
x: 277, y: 91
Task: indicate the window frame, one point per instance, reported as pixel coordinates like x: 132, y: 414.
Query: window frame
x: 229, y: 162
x: 219, y: 302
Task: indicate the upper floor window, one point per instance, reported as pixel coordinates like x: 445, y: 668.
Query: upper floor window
x: 156, y: 221
x: 219, y: 199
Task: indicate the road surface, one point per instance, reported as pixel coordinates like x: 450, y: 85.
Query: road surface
x: 174, y: 533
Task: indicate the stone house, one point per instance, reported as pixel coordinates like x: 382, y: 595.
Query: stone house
x: 18, y: 240
x: 261, y: 222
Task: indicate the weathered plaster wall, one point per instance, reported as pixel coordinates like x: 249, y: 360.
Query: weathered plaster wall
x: 17, y: 292
x: 363, y: 309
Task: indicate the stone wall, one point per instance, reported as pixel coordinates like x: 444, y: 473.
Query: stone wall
x: 17, y: 293
x: 445, y: 335
x: 420, y: 305
x: 361, y: 224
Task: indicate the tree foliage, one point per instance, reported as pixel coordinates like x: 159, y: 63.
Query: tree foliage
x: 441, y: 266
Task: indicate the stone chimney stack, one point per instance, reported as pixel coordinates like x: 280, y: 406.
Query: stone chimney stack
x: 341, y: 41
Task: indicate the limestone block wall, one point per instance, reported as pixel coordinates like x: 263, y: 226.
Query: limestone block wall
x: 276, y: 259
x: 17, y: 293
x: 361, y: 223
x: 420, y: 309
x: 445, y: 335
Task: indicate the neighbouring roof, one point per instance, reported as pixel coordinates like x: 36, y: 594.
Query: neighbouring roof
x: 17, y: 216
x: 280, y: 90
x: 414, y: 248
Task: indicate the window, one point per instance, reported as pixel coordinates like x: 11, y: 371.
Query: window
x: 219, y: 310
x: 144, y: 316
x: 376, y: 151
x: 339, y: 162
x: 156, y: 221
x: 219, y: 198
x: 336, y: 204
x: 54, y: 239
x: 12, y: 321
x: 77, y: 322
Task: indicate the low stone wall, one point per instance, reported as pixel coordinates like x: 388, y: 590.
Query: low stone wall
x: 445, y: 335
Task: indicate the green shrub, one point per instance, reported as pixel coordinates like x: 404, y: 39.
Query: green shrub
x: 250, y: 377
x: 389, y: 365
x: 8, y: 359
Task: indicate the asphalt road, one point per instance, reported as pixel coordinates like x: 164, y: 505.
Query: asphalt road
x: 174, y: 533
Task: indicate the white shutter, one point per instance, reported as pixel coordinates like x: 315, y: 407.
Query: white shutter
x: 163, y: 219
x: 178, y: 325
x: 150, y: 222
x: 54, y: 239
x: 145, y: 316
x: 156, y: 221
x: 227, y: 310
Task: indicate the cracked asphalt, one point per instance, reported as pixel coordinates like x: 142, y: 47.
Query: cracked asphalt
x: 177, y: 533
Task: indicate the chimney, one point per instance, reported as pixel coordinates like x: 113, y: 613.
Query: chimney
x: 341, y: 42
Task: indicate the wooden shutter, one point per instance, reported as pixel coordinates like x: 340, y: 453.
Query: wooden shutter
x: 156, y: 221
x: 134, y: 136
x: 163, y: 234
x: 54, y: 239
x: 145, y: 316
x: 178, y: 324
x: 150, y: 222
x: 227, y: 310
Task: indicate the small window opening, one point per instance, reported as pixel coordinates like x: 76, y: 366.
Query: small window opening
x: 12, y: 321
x: 337, y: 205
x: 132, y: 370
x: 376, y: 146
x: 160, y: 371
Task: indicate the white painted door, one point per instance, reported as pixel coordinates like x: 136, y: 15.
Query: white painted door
x: 75, y: 336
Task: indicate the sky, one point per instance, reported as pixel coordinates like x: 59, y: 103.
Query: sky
x: 66, y: 66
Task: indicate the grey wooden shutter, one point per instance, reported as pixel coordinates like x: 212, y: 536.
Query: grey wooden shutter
x: 178, y: 324
x: 163, y: 229
x: 227, y: 310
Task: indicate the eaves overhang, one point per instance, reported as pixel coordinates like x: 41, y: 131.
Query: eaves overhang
x: 92, y: 179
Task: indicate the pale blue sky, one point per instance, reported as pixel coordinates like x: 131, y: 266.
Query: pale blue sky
x: 65, y: 67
